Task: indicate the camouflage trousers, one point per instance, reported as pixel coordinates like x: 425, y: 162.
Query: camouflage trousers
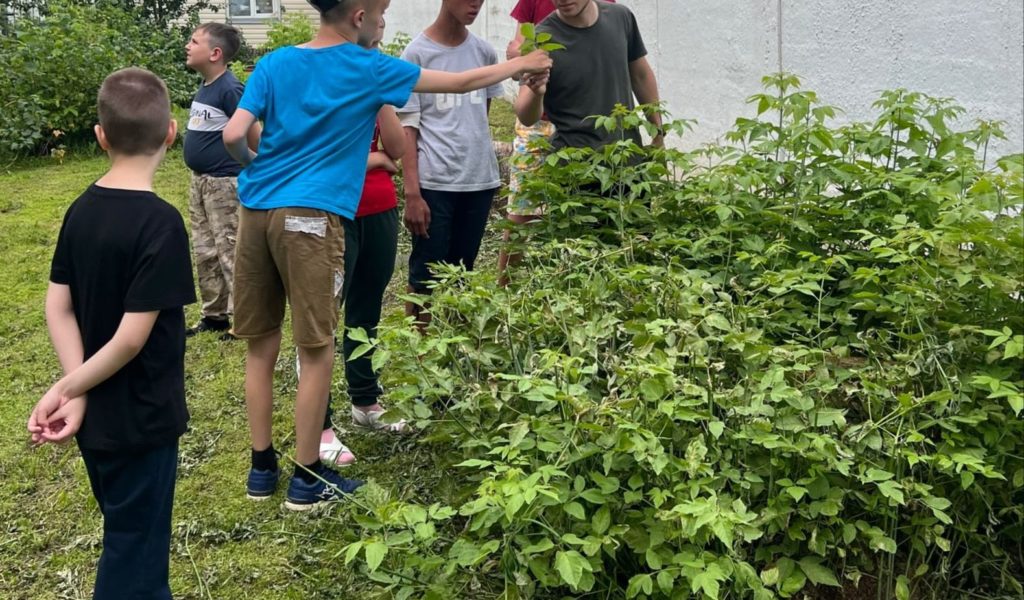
x: 213, y: 212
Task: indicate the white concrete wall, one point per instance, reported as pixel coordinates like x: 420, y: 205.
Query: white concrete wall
x: 709, y: 55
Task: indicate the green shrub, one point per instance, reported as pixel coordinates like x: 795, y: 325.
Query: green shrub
x: 51, y: 70
x: 292, y: 30
x: 295, y: 29
x: 789, y: 362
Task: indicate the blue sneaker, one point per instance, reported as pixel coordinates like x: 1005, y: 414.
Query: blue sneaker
x: 329, y: 487
x: 261, y: 484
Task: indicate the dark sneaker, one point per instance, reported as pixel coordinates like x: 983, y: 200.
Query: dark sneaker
x: 207, y: 324
x: 261, y: 484
x: 329, y: 487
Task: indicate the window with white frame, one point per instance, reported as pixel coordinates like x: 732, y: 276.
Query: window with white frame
x: 252, y: 9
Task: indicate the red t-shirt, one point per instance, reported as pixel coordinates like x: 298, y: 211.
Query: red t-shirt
x: 379, y: 192
x: 534, y: 11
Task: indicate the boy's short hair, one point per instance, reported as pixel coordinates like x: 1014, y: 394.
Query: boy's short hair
x: 333, y: 11
x: 135, y: 111
x: 223, y: 36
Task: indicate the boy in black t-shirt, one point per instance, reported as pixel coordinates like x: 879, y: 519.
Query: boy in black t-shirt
x: 118, y: 281
x: 213, y: 193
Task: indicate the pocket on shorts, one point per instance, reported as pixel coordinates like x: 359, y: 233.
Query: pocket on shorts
x: 310, y: 225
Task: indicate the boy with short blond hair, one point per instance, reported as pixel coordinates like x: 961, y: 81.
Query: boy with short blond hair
x: 119, y: 279
x: 319, y: 102
x: 213, y: 193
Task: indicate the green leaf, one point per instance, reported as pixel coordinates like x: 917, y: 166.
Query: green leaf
x: 543, y: 545
x: 528, y: 30
x: 878, y: 475
x: 796, y: 492
x: 518, y: 434
x: 653, y: 559
x: 352, y: 551
x: 358, y: 334
x: 718, y: 322
x: 639, y: 583
x: 770, y: 576
x: 570, y: 566
x: 665, y: 580
x: 716, y: 428
x: 902, y: 588
x: 723, y: 531
x: 817, y: 573
x: 375, y: 553
x: 706, y: 582
x: 651, y: 389
x: 892, y: 490
x: 575, y: 510
x: 602, y: 520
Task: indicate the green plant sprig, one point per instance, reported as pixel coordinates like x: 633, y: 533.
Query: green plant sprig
x: 536, y: 41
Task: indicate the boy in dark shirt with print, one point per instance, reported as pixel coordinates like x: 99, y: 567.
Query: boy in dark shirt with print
x: 119, y: 279
x: 213, y: 193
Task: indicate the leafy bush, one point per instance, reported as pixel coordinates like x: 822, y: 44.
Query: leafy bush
x: 292, y: 30
x: 784, y: 364
x: 51, y: 70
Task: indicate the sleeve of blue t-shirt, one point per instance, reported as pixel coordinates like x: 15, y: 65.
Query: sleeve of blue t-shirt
x: 396, y: 79
x: 161, y: 273
x: 254, y: 99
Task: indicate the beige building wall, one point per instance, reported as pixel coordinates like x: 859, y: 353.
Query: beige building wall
x: 254, y: 29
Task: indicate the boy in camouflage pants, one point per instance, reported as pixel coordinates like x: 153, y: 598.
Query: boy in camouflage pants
x: 213, y: 194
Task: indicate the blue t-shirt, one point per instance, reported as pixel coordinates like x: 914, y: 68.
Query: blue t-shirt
x: 318, y: 107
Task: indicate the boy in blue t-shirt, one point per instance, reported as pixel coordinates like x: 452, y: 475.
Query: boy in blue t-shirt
x: 318, y: 103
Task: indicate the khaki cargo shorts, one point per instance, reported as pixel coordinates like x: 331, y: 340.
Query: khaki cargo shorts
x: 289, y: 254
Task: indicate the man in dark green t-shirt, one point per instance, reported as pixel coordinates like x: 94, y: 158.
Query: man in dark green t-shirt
x: 603, y: 64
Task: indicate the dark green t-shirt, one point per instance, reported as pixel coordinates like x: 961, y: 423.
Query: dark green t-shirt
x: 591, y: 75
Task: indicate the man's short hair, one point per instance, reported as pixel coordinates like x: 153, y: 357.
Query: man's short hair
x: 223, y: 36
x: 134, y: 111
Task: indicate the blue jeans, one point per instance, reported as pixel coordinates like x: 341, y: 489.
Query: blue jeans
x: 135, y: 492
x: 457, y: 221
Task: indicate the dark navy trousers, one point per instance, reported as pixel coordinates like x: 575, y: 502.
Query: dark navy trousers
x: 135, y: 492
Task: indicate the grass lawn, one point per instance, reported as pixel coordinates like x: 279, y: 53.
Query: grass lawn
x: 223, y: 546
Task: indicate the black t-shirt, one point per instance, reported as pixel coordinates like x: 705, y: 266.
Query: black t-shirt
x: 127, y: 251
x: 211, y: 109
x: 591, y: 75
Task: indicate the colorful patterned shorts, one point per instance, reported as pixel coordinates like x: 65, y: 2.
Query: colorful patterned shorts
x: 523, y: 160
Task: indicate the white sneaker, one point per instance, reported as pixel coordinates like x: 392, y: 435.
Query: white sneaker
x: 372, y: 420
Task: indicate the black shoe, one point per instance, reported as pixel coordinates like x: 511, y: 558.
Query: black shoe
x: 207, y: 324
